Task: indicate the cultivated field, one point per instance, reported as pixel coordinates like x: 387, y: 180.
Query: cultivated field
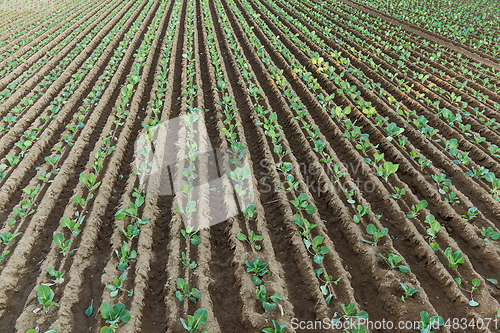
x: 341, y: 165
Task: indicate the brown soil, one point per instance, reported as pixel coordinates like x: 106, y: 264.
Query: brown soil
x: 228, y: 293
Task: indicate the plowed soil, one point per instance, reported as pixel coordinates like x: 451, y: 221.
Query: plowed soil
x: 63, y: 80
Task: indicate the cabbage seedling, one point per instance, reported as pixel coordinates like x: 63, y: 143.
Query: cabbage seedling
x: 471, y: 214
x: 432, y: 231
x: 258, y: 268
x: 349, y: 195
x: 362, y: 211
x: 399, y: 193
x: 90, y: 309
x: 13, y: 160
x: 52, y: 160
x: 132, y: 210
x: 454, y: 258
x: 277, y: 328
x: 393, y: 260
x: 73, y: 225
x: 416, y: 208
x: 8, y: 237
x: 131, y: 232
x: 249, y: 211
x: 44, y: 176
x: 117, y: 286
x: 489, y: 232
x: 196, y: 321
x: 187, y: 262
x: 57, y: 275
x: 301, y: 204
x: 423, y: 163
x: 319, y: 251
x: 452, y: 198
x: 191, y: 235
x: 376, y: 234
x: 252, y: 238
x: 114, y: 315
x: 45, y: 297
x: 31, y: 193
x: 304, y: 225
x: 89, y: 181
x: 326, y: 288
x: 475, y: 285
x: 63, y: 244
x: 125, y: 255
x: 349, y: 315
x: 2, y: 257
x: 386, y: 170
x: 442, y: 182
x: 262, y: 296
x: 393, y: 130
x: 408, y: 291
x: 184, y: 292
x: 427, y: 322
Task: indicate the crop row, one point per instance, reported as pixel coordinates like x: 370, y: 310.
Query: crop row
x: 474, y: 24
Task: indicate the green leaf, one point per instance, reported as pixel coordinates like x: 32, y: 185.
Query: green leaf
x: 196, y: 293
x: 122, y: 266
x: 90, y: 309
x: 422, y: 204
x: 241, y: 237
x: 120, y: 214
x: 256, y: 280
x: 201, y: 315
x: 190, y: 207
x: 310, y: 209
x: 58, y: 238
x: 318, y: 259
x: 404, y: 269
x: 371, y: 229
x: 473, y: 303
x: 490, y: 177
x: 425, y: 318
x: 106, y: 310
x: 44, y: 292
x: 317, y: 240
x: 195, y: 240
x: 106, y: 329
x: 276, y: 298
x: 358, y: 328
x: 268, y: 306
